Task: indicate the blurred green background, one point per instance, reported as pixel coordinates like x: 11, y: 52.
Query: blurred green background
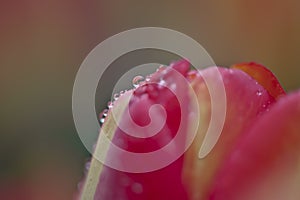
x: 42, y: 44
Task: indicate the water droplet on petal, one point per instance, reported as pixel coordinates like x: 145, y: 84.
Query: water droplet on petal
x: 162, y: 67
x: 103, y: 114
x: 102, y: 120
x: 259, y: 93
x: 110, y: 104
x: 116, y: 96
x: 105, y: 111
x: 137, y: 81
x: 148, y: 78
x: 162, y: 82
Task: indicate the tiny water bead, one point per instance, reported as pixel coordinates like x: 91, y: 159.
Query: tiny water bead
x: 105, y: 111
x: 161, y: 67
x: 137, y: 81
x: 102, y: 116
x: 102, y: 120
x: 162, y: 82
x: 148, y: 77
x: 116, y: 96
x: 267, y: 104
x: 259, y: 93
x: 121, y: 92
x: 110, y: 104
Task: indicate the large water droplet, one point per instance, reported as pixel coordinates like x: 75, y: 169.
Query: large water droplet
x: 137, y: 81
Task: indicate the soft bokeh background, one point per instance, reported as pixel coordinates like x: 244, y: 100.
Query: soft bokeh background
x: 42, y: 44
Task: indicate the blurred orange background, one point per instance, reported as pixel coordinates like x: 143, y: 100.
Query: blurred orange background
x: 42, y: 44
